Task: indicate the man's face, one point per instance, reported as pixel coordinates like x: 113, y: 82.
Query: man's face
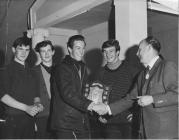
x: 21, y: 52
x: 110, y: 54
x: 77, y: 51
x: 143, y: 52
x: 46, y: 54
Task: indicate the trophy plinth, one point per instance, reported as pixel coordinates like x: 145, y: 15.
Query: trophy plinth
x: 97, y: 92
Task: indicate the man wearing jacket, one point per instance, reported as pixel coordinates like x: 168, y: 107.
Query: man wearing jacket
x: 69, y: 105
x: 156, y: 92
x: 46, y: 51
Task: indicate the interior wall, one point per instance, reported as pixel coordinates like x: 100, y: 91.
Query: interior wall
x: 95, y: 36
x: 165, y: 28
x: 59, y: 38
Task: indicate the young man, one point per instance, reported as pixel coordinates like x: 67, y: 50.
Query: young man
x: 118, y: 75
x: 46, y: 52
x: 69, y: 106
x: 157, y: 92
x: 20, y: 93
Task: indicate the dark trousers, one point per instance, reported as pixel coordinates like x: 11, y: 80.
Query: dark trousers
x: 18, y: 127
x: 111, y: 131
x: 70, y: 134
x: 42, y: 128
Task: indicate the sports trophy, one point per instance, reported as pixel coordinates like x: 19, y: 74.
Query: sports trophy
x: 97, y: 92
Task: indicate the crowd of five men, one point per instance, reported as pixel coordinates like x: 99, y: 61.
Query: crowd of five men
x: 47, y: 100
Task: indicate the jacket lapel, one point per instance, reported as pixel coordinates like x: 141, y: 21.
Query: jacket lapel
x: 151, y: 74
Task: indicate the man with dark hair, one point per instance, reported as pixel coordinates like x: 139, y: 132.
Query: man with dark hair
x: 46, y: 51
x: 20, y: 93
x: 119, y: 75
x: 69, y: 105
x: 157, y: 92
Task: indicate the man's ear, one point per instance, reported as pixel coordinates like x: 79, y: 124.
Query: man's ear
x: 13, y: 50
x: 150, y: 47
x: 69, y: 50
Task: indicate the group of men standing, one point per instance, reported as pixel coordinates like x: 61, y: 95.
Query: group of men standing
x: 47, y: 101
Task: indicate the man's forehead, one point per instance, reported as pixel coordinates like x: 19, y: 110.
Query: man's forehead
x: 78, y: 42
x: 46, y: 47
x: 23, y: 46
x: 109, y: 48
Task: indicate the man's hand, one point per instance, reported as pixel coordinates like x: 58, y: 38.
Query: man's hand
x: 102, y: 120
x: 145, y: 100
x: 39, y: 106
x: 100, y: 108
x: 31, y: 110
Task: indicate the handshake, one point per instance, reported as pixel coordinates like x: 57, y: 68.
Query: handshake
x: 99, y: 108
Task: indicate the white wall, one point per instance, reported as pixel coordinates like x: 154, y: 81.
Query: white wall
x: 95, y: 36
x: 59, y: 37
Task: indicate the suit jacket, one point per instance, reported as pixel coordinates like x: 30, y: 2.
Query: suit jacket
x: 160, y: 119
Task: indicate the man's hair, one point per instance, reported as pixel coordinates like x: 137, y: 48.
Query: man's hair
x: 43, y: 44
x: 74, y: 38
x: 153, y: 42
x: 22, y: 41
x: 110, y: 43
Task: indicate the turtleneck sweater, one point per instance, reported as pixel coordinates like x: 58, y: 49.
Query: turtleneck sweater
x: 119, y: 77
x: 114, y: 65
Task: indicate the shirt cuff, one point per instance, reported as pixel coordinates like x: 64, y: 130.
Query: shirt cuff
x: 109, y: 110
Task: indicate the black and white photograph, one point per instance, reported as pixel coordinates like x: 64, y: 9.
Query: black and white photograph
x: 89, y: 69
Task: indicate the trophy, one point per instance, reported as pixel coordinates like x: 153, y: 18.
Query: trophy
x: 97, y: 92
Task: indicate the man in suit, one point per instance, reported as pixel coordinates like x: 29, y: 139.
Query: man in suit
x: 156, y: 92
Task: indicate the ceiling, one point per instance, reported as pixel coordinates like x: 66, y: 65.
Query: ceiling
x: 89, y: 18
x: 101, y: 13
x: 94, y: 16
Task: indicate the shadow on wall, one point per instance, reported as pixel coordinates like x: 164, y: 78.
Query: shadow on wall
x: 2, y: 58
x: 94, y: 60
x: 59, y: 54
x: 32, y: 58
x: 132, y: 58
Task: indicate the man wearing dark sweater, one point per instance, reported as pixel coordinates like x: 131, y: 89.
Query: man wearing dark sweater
x: 19, y: 93
x: 119, y: 76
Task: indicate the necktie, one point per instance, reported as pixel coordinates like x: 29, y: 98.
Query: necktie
x: 145, y: 76
x: 147, y: 69
x: 79, y: 71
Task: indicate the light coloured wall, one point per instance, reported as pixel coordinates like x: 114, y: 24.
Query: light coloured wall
x: 95, y: 36
x: 59, y: 38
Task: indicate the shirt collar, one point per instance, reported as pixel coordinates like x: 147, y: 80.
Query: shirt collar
x: 152, y: 62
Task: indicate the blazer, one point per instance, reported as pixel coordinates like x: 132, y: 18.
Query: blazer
x: 160, y: 119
